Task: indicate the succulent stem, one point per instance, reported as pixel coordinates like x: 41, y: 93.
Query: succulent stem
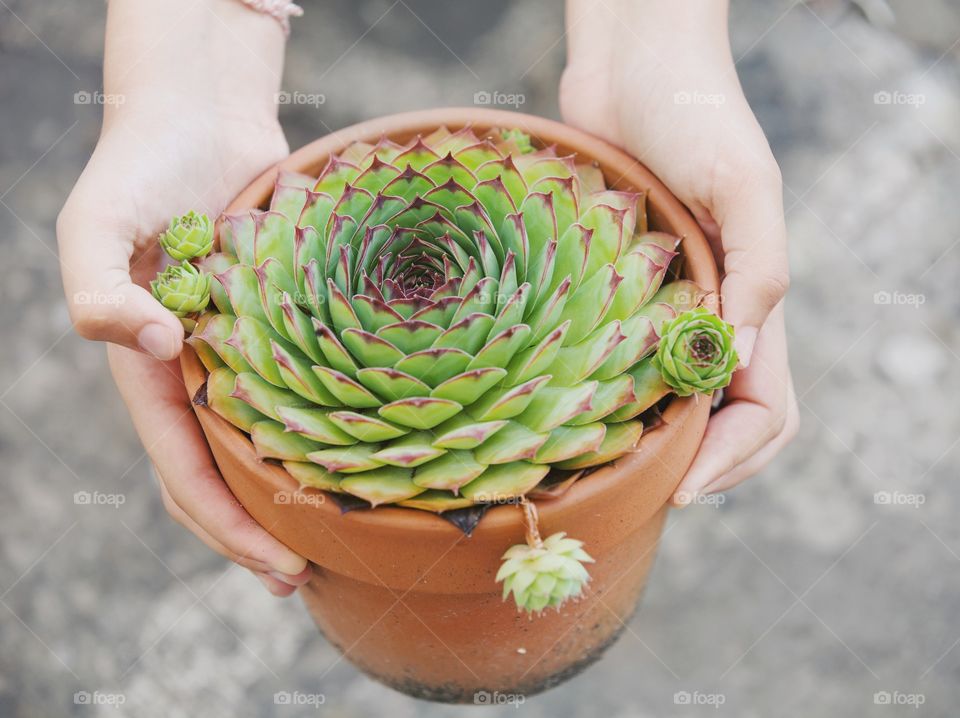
x: 531, y: 520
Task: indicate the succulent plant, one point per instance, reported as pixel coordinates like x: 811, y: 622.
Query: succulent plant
x: 696, y: 352
x: 439, y: 324
x: 188, y: 237
x: 183, y: 289
x: 544, y: 575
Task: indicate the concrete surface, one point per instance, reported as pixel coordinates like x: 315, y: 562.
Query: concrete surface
x: 803, y: 594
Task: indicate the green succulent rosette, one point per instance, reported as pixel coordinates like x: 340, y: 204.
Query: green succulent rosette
x: 544, y: 575
x: 440, y: 323
x: 183, y: 289
x: 188, y: 237
x: 696, y: 352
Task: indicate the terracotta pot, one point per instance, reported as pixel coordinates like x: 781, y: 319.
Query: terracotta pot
x: 406, y: 596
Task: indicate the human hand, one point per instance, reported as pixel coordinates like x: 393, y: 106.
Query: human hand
x: 177, y: 135
x: 657, y: 78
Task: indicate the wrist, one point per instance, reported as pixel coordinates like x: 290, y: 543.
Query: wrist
x: 192, y: 55
x: 649, y: 19
x: 644, y: 36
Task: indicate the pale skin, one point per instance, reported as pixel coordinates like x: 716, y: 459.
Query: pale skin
x: 223, y: 61
x: 662, y: 85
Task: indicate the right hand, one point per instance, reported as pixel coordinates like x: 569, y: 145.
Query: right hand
x: 173, y: 144
x: 713, y: 155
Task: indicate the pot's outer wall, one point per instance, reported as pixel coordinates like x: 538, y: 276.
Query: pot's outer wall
x: 411, y: 599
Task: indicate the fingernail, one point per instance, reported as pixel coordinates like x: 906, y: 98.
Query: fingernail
x: 159, y: 341
x: 293, y: 580
x: 743, y: 343
x: 290, y: 564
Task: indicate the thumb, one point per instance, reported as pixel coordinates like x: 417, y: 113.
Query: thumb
x: 104, y: 303
x: 755, y: 272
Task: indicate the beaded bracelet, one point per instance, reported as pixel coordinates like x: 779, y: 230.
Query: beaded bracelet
x: 280, y: 10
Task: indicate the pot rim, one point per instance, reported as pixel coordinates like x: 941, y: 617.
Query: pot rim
x: 620, y: 171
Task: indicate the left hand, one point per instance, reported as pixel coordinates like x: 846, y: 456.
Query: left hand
x: 662, y: 85
x: 195, y: 121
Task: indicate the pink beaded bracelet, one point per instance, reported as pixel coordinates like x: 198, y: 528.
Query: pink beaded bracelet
x: 281, y: 10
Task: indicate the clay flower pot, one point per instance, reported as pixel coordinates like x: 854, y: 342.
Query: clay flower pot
x: 408, y: 597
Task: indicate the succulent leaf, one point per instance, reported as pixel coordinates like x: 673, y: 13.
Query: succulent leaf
x: 220, y: 384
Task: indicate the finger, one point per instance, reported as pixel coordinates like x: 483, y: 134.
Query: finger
x: 277, y: 588
x: 758, y: 461
x: 755, y: 414
x: 171, y: 434
x: 104, y: 302
x: 753, y: 236
x: 182, y: 518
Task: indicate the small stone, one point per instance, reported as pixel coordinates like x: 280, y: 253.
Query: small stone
x: 522, y: 651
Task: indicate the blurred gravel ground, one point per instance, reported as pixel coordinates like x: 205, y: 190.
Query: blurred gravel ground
x: 802, y: 594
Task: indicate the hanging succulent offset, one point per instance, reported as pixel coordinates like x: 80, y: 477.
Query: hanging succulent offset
x: 440, y: 323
